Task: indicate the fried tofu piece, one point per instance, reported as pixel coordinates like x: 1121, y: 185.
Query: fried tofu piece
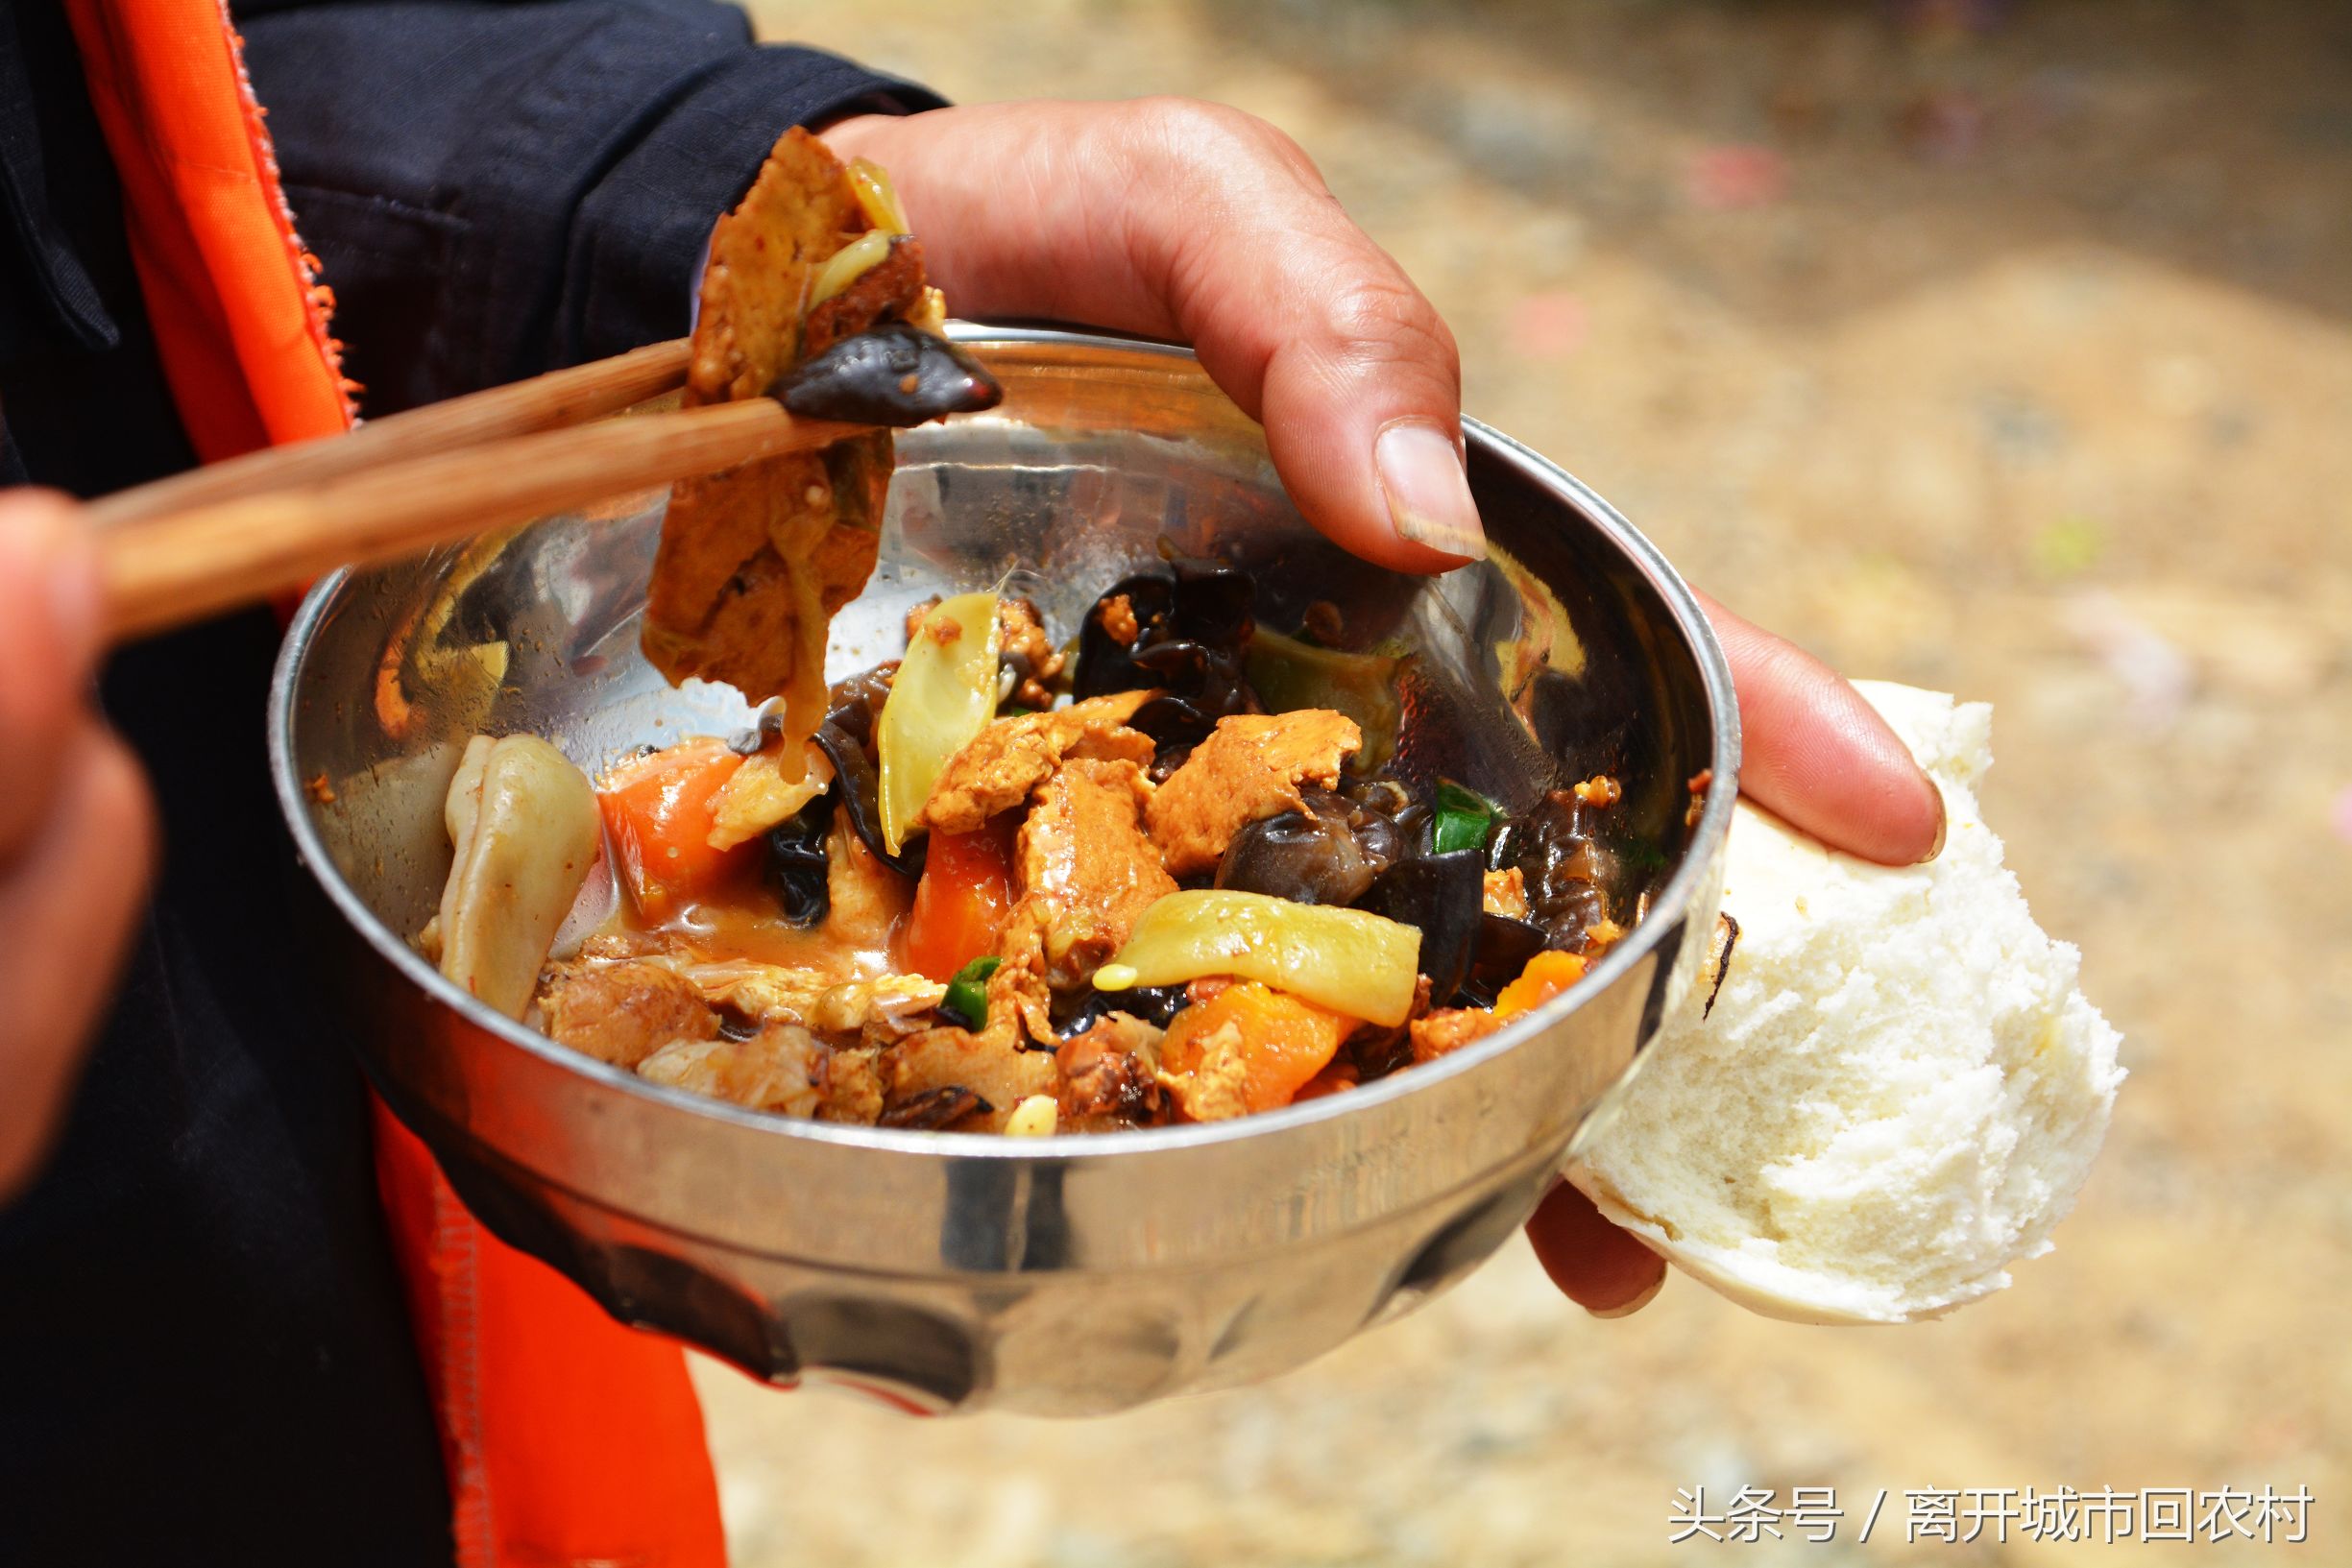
x: 1250, y: 767
x: 764, y: 256
x: 753, y: 562
x: 1013, y: 755
x: 782, y: 1068
x: 1085, y: 872
x: 624, y: 1013
x: 1020, y: 1002
x: 1085, y: 866
x: 1449, y: 1030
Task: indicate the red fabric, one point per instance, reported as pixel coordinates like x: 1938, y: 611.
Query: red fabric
x: 570, y: 1439
x: 239, y: 323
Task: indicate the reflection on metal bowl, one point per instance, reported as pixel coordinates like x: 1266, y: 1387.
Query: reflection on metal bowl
x: 1062, y: 1275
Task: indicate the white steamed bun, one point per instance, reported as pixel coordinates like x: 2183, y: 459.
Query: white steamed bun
x: 1899, y: 1089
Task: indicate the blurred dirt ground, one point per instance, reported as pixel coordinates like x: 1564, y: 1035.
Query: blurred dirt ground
x: 1999, y: 347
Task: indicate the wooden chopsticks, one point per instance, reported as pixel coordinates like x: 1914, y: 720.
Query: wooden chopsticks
x: 240, y: 531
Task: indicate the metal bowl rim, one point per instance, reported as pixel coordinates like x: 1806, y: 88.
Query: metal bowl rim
x: 1715, y: 823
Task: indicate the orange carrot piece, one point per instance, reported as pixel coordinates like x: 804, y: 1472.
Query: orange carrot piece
x: 1546, y: 976
x: 659, y: 811
x: 960, y: 905
x: 1283, y: 1042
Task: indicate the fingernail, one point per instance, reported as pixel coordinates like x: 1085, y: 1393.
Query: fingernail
x: 1427, y: 489
x: 1626, y: 1307
x: 1942, y: 822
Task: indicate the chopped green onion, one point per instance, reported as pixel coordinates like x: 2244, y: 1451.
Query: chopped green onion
x: 1464, y: 818
x: 1453, y: 797
x: 968, y: 994
x: 1459, y: 831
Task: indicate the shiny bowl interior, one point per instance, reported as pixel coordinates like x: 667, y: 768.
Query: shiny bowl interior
x: 1062, y: 1275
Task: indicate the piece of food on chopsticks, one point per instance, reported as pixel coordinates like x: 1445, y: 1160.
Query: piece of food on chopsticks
x: 1012, y: 891
x: 815, y: 293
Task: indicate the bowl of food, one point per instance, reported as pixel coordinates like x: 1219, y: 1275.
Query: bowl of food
x: 1326, y: 903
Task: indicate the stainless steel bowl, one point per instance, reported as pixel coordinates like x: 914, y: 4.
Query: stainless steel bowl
x: 1065, y: 1275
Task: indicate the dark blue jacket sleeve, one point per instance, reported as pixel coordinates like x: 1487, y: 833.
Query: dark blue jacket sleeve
x: 494, y: 188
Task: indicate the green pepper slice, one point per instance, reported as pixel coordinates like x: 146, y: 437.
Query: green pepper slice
x: 1464, y: 818
x: 967, y: 1001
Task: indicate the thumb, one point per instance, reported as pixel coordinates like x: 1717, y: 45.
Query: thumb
x: 49, y: 618
x: 1607, y: 1271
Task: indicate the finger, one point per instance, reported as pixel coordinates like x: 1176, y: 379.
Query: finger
x: 1601, y: 1268
x: 1361, y: 402
x: 1315, y: 331
x: 48, y: 636
x: 68, y: 907
x: 1172, y: 218
x: 1814, y: 752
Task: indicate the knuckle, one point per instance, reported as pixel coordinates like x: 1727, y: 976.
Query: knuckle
x: 1383, y: 319
x: 1181, y: 119
x: 1192, y: 135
